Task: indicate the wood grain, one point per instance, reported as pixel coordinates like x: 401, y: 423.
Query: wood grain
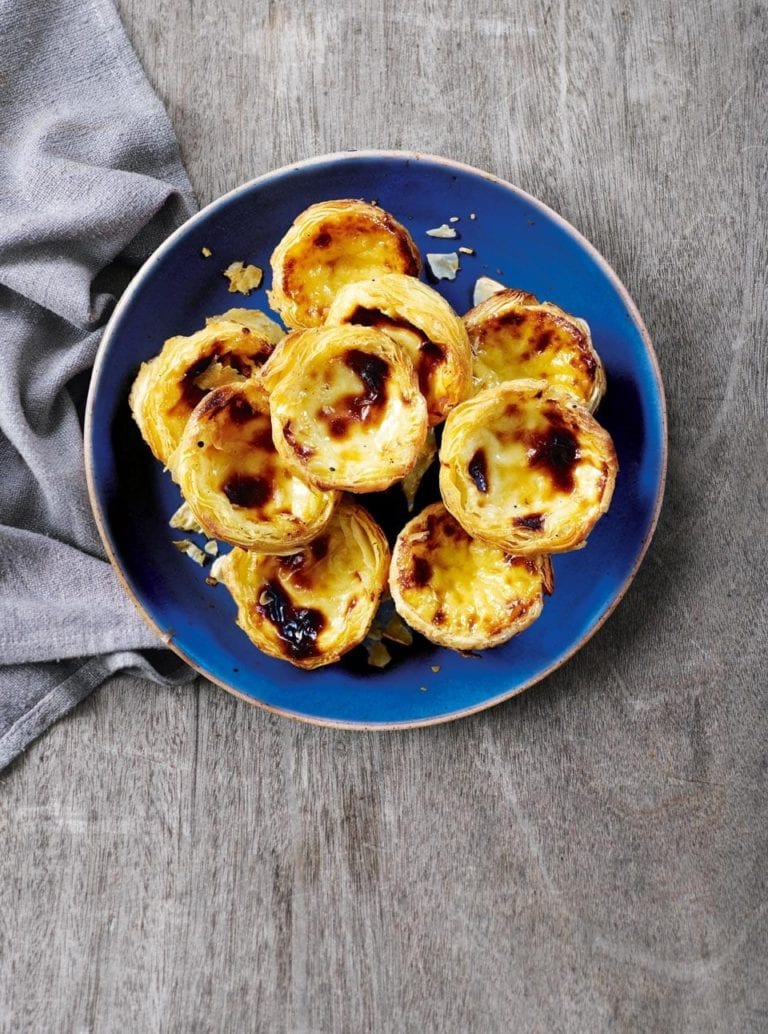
x: 589, y: 857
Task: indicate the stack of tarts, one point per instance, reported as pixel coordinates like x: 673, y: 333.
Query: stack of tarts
x: 272, y: 435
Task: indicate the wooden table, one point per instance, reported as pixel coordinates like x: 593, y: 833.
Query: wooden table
x: 589, y: 857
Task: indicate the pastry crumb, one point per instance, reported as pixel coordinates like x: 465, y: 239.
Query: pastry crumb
x: 185, y: 520
x: 444, y: 267
x: 243, y: 278
x: 435, y: 668
x: 378, y: 655
x: 472, y: 215
x: 485, y: 288
x: 206, y: 252
x: 442, y: 231
x: 467, y: 251
x: 191, y: 550
x: 453, y: 219
x: 397, y: 631
x: 211, y: 547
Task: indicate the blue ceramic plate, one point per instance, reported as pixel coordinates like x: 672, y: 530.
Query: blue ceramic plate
x: 517, y: 240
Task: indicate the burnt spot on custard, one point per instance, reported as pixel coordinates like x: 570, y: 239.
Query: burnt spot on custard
x: 299, y: 566
x: 362, y: 316
x: 289, y: 267
x: 319, y: 547
x: 420, y: 573
x: 430, y: 355
x: 444, y: 524
x: 240, y: 411
x: 191, y: 393
x: 237, y: 362
x: 247, y: 491
x: 302, y: 451
x: 555, y: 450
x: 322, y: 239
x: 373, y: 371
x: 260, y: 357
x: 531, y: 521
x: 526, y: 562
x: 293, y: 562
x: 509, y: 321
x: 588, y: 360
x: 478, y: 470
x: 215, y: 402
x: 542, y: 340
x: 364, y: 407
x: 297, y: 627
x: 262, y: 439
x: 338, y: 426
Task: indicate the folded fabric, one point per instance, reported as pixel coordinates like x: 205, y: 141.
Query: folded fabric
x: 90, y: 183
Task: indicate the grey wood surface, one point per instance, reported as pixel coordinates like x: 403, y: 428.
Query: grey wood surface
x: 589, y: 857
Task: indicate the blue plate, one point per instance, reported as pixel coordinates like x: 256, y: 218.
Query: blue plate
x: 516, y: 239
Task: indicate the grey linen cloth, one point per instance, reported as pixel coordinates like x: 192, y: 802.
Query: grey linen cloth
x: 90, y: 183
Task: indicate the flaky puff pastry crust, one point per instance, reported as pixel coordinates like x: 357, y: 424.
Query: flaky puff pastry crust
x: 313, y: 606
x: 167, y: 388
x: 462, y: 592
x: 236, y: 484
x: 331, y: 244
x: 513, y: 335
x: 423, y: 322
x: 526, y: 466
x: 346, y: 408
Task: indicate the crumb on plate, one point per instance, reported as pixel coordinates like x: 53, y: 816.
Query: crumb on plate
x: 185, y: 520
x: 443, y: 266
x: 442, y: 231
x: 191, y: 550
x: 243, y: 278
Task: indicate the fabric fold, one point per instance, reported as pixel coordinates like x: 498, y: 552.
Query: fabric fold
x: 91, y: 182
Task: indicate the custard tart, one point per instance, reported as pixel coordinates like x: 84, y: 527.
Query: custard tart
x: 423, y: 322
x: 234, y: 480
x: 513, y: 335
x: 346, y: 408
x: 314, y: 605
x: 462, y: 592
x: 332, y: 244
x: 167, y: 388
x: 526, y: 466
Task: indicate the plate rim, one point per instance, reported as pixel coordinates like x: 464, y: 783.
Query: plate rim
x: 166, y: 637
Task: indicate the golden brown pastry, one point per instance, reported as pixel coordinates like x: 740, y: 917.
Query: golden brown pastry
x: 420, y: 320
x: 167, y: 388
x: 461, y: 592
x: 513, y: 336
x: 235, y: 482
x: 346, y: 407
x: 332, y: 244
x: 311, y: 607
x: 526, y: 466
